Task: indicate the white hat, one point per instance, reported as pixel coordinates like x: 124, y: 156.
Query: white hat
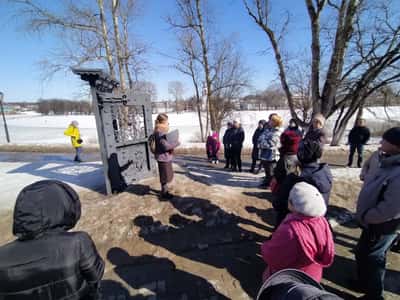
x: 307, y: 200
x: 236, y: 121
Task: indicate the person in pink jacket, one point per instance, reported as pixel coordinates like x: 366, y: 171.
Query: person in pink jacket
x: 304, y: 239
x: 212, y: 146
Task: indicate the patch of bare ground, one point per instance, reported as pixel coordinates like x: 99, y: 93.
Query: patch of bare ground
x: 205, y: 242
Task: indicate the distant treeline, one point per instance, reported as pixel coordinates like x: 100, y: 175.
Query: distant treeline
x: 63, y: 107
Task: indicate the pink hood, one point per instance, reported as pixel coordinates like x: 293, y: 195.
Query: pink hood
x: 315, y: 238
x: 300, y: 242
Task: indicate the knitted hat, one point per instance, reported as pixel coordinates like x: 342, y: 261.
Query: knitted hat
x: 392, y: 136
x: 309, y: 151
x: 307, y: 200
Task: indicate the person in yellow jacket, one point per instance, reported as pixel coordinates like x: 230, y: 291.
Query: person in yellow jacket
x: 73, y: 132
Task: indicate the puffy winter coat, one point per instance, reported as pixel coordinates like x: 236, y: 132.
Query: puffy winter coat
x: 237, y: 137
x: 371, y: 166
x: 300, y: 242
x: 269, y: 143
x: 164, y: 149
x: 318, y: 175
x: 75, y: 135
x: 359, y: 135
x: 226, y: 139
x: 213, y: 145
x: 47, y: 262
x: 378, y: 201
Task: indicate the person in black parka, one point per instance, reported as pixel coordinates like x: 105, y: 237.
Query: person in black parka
x: 237, y: 139
x: 226, y: 140
x: 48, y: 262
x: 255, y: 151
x: 311, y: 171
x: 358, y: 137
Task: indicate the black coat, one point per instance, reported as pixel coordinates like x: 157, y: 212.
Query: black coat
x: 359, y: 135
x: 47, y: 261
x: 226, y: 139
x: 256, y: 135
x: 237, y: 137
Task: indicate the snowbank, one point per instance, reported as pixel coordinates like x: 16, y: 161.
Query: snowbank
x: 32, y: 128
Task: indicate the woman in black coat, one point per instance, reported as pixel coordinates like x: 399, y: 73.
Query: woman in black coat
x: 48, y: 262
x: 254, y: 152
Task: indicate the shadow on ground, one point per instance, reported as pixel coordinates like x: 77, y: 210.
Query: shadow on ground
x: 198, y: 169
x: 88, y: 175
x: 203, y: 232
x: 149, y: 276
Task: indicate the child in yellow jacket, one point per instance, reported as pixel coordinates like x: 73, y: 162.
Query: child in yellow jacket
x: 73, y: 132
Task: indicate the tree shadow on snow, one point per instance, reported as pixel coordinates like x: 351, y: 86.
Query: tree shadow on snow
x: 201, y: 171
x: 205, y: 233
x: 86, y: 175
x: 155, y: 276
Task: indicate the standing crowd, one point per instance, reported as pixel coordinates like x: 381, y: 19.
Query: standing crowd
x: 66, y: 265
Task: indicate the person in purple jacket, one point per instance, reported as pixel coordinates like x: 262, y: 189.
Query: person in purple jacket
x: 164, y: 154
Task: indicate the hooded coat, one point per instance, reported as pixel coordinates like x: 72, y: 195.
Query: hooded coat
x: 378, y: 201
x: 47, y: 261
x: 300, y: 242
x: 213, y: 145
x: 75, y: 135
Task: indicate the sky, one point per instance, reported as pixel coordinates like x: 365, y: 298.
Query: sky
x: 20, y: 52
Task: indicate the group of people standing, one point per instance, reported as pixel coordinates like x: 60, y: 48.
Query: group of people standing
x: 301, y: 185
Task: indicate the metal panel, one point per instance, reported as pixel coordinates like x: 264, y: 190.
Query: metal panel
x: 124, y: 122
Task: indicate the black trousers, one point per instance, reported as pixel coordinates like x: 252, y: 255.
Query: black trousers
x: 227, y: 155
x: 353, y: 148
x: 236, y: 152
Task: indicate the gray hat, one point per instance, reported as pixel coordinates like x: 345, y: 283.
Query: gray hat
x: 307, y: 200
x: 291, y: 284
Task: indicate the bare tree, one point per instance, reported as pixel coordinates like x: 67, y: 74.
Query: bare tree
x: 363, y: 55
x: 146, y: 87
x: 222, y: 69
x: 118, y: 50
x: 86, y: 35
x: 176, y: 89
x: 188, y: 64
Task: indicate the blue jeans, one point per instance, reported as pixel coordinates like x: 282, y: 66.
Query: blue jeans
x: 371, y: 253
x: 353, y: 148
x: 78, y: 152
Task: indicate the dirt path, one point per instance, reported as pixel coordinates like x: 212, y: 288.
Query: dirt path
x: 204, y: 243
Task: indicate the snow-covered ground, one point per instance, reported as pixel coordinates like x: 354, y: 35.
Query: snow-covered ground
x: 31, y: 128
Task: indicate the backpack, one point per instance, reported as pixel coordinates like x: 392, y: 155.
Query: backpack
x: 152, y: 143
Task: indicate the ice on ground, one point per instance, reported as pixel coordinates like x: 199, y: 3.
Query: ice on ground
x: 16, y: 175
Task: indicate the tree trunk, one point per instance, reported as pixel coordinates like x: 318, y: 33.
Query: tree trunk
x: 341, y: 124
x: 198, y: 105
x: 206, y: 66
x: 120, y: 56
x: 109, y: 56
x: 359, y: 113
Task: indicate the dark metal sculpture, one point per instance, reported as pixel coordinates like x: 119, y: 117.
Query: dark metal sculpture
x: 124, y: 122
